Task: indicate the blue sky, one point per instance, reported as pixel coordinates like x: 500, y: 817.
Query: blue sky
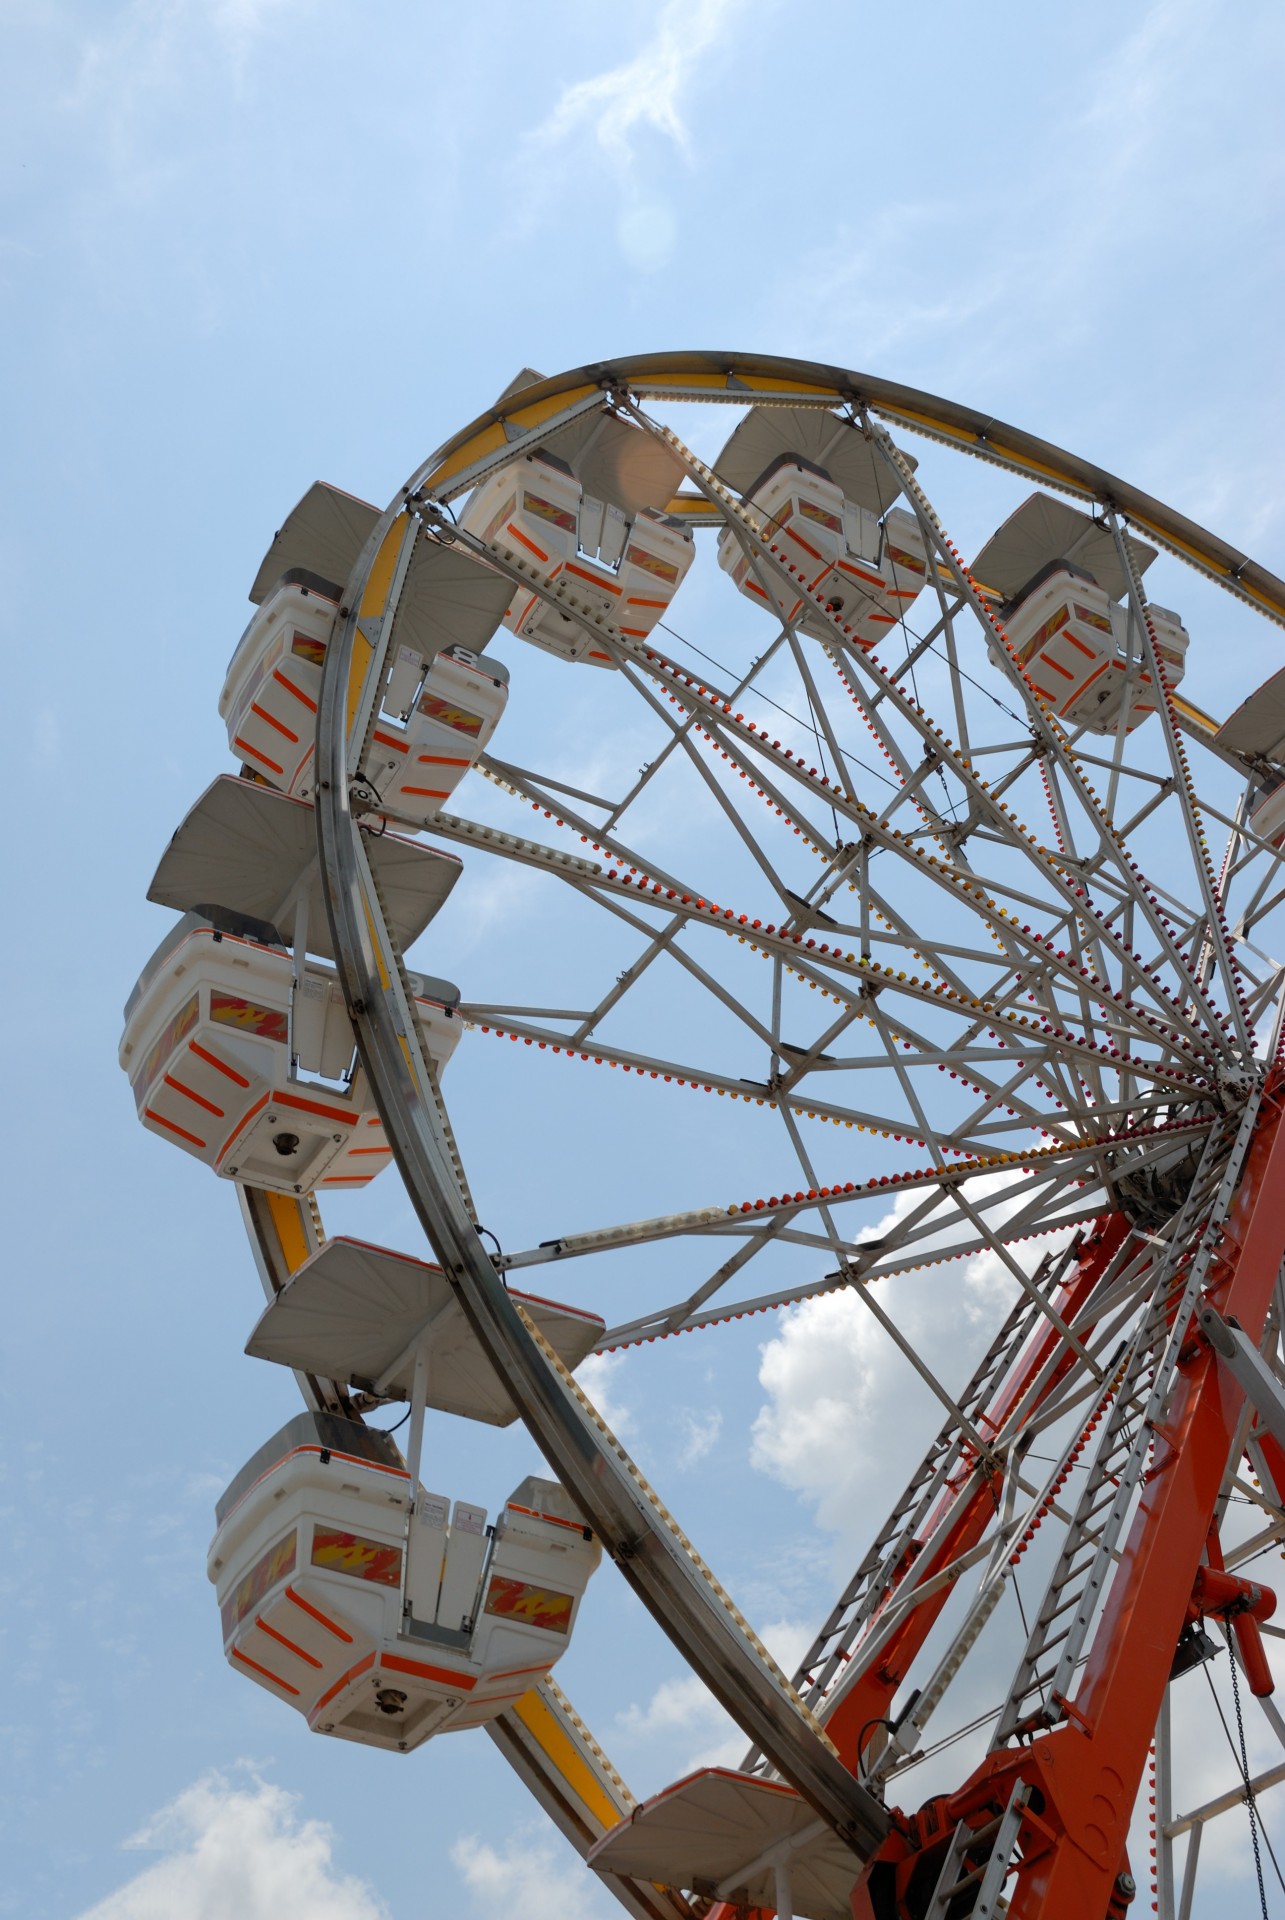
x: 251, y: 243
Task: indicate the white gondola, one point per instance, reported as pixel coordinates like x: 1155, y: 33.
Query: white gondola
x: 273, y: 684
x: 1171, y: 639
x: 210, y: 1031
x: 269, y: 699
x: 753, y: 1842
x: 1075, y: 644
x: 867, y: 573
x: 441, y: 698
x: 377, y: 1628
x: 826, y: 498
x: 434, y: 725
x: 1058, y: 574
x: 1267, y: 808
x: 1060, y: 630
x: 626, y: 568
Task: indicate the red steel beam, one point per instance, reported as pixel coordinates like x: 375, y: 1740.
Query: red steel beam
x: 1088, y: 1770
x: 962, y: 1515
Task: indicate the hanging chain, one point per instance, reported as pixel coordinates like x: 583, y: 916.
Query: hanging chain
x: 1251, y: 1803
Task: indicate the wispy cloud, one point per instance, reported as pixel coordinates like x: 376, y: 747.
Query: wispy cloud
x: 647, y: 91
x: 620, y: 111
x: 700, y: 1436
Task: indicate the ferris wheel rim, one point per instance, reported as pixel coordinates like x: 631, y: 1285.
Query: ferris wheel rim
x: 750, y: 378
x: 654, y: 366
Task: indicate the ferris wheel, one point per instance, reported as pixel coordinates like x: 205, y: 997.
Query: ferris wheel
x: 936, y: 912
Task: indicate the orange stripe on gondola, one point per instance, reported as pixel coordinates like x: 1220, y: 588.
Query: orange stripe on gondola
x: 267, y: 1672
x: 150, y: 1113
x: 442, y: 760
x: 199, y: 1098
x: 1080, y: 692
x: 314, y: 1106
x: 322, y: 1619
x: 353, y: 1673
x: 446, y: 1676
x: 213, y: 1060
x: 429, y: 793
x: 354, y: 1151
x: 387, y: 740
x: 262, y: 1101
x: 635, y: 601
x: 244, y: 747
x: 551, y: 1519
x: 281, y: 728
x: 530, y: 545
x: 289, y: 1645
x: 799, y: 541
x: 859, y: 573
x: 290, y: 687
x: 595, y: 580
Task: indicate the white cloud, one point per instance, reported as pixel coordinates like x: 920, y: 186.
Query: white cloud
x: 528, y: 1877
x: 821, y: 1374
x: 843, y: 1406
x: 644, y: 91
x: 683, y: 1714
x: 675, y: 1706
x: 684, y: 1717
x: 240, y: 1849
x: 597, y: 1377
x: 702, y: 1432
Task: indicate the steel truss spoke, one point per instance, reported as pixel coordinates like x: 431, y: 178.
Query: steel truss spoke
x: 941, y: 1226
x: 1051, y: 737
x: 832, y: 970
x: 1182, y: 783
x: 689, y: 693
x: 911, y: 711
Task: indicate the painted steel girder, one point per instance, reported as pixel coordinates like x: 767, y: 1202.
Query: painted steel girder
x: 1087, y: 1771
x: 962, y: 1516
